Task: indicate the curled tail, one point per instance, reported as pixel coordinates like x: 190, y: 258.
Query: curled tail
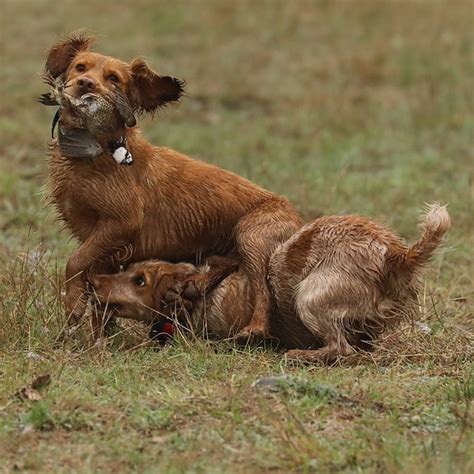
x: 435, y: 222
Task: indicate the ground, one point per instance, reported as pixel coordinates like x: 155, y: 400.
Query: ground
x: 344, y: 107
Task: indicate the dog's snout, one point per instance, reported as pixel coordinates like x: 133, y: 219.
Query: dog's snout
x: 86, y: 84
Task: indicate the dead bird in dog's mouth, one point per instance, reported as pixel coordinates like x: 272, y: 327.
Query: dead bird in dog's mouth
x: 84, y: 121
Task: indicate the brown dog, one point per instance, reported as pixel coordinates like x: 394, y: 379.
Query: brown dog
x: 165, y: 205
x: 336, y: 284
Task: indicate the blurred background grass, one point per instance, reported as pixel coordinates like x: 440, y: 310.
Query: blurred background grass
x: 346, y: 106
x: 360, y: 106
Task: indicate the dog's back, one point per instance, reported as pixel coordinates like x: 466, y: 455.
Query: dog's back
x: 348, y: 278
x: 339, y: 281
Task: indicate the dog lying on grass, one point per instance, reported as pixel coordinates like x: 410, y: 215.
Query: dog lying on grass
x: 336, y: 285
x: 166, y: 205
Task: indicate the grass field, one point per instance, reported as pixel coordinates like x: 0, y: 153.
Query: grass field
x: 344, y: 107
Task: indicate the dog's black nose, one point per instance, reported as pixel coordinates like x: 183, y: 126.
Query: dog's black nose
x: 86, y: 84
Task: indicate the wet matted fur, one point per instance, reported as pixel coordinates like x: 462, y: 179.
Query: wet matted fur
x: 337, y: 284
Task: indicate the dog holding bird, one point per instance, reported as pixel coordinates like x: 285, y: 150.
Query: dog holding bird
x: 165, y: 205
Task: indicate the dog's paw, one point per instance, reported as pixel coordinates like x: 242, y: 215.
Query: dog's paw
x: 302, y: 356
x: 296, y: 354
x: 324, y: 356
x: 252, y: 333
x: 75, y: 303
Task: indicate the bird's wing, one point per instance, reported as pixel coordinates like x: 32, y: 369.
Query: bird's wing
x: 78, y: 143
x: 124, y: 108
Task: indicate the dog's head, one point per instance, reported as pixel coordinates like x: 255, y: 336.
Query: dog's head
x: 147, y: 289
x: 85, y: 71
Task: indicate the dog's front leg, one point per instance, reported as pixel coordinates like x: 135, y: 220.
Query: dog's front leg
x: 220, y: 268
x: 107, y: 237
x: 257, y: 236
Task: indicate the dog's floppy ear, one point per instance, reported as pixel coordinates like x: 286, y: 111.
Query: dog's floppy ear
x: 62, y: 53
x: 149, y: 90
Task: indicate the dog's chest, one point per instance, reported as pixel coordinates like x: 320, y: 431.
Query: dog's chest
x: 68, y: 191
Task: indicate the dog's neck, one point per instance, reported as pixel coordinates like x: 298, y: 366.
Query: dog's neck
x: 136, y: 142
x: 116, y: 136
x: 71, y: 145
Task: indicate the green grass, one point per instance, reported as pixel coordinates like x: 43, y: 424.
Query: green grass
x: 345, y: 107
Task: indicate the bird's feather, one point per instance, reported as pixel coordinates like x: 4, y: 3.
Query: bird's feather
x: 124, y: 108
x: 79, y: 143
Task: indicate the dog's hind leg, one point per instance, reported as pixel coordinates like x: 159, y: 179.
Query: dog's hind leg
x: 325, y: 303
x: 325, y: 355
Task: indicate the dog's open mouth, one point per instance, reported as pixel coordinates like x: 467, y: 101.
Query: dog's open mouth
x: 73, y: 105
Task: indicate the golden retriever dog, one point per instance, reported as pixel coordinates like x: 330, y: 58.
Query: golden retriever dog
x: 336, y: 285
x: 165, y: 205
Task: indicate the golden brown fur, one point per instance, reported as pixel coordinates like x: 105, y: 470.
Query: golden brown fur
x: 166, y: 205
x: 356, y: 279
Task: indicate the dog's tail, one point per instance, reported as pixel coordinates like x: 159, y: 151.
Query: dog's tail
x: 434, y: 223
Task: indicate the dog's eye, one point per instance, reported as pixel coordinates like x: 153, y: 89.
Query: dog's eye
x: 113, y: 78
x: 80, y: 67
x: 139, y: 281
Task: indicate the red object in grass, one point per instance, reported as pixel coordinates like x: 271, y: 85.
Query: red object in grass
x: 168, y: 328
x: 162, y: 331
